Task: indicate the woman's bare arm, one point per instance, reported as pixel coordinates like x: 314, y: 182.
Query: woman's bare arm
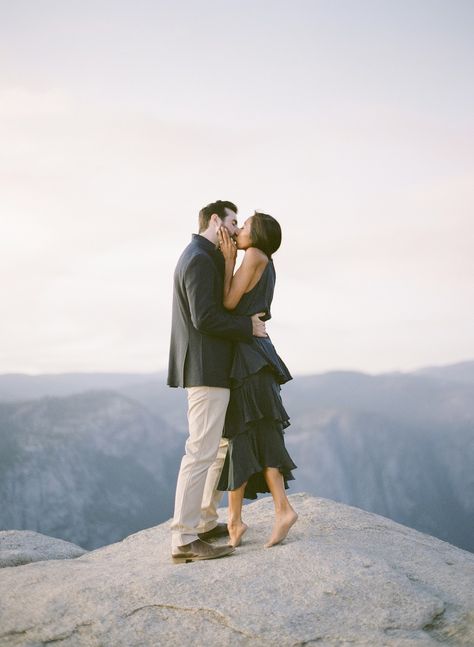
x: 235, y: 285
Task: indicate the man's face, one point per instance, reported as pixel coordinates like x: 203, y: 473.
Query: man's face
x: 230, y: 222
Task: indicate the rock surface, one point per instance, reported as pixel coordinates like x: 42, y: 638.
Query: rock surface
x: 342, y: 577
x: 18, y: 547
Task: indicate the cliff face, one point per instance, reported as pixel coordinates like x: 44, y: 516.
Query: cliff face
x: 89, y: 468
x: 343, y: 576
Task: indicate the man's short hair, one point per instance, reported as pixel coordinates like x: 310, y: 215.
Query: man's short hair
x: 219, y: 208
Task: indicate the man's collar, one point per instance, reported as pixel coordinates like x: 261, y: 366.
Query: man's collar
x: 204, y: 243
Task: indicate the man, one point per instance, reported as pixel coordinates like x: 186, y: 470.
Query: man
x: 200, y: 360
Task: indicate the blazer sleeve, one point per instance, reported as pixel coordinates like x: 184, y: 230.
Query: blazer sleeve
x: 207, y: 315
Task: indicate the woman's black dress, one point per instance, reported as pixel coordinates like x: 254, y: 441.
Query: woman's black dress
x: 255, y: 417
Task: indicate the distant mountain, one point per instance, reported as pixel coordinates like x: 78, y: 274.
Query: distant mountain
x: 89, y: 468
x: 463, y: 372
x: 411, y: 398
x: 420, y: 476
x: 398, y: 444
x: 17, y: 386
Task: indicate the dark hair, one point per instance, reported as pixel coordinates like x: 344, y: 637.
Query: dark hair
x: 219, y: 208
x: 265, y: 233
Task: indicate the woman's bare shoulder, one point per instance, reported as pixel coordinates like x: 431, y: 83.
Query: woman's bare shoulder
x: 255, y: 257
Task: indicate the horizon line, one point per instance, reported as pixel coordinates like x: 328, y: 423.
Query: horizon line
x: 303, y: 374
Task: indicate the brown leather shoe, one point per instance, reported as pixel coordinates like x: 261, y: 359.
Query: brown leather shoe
x: 198, y: 550
x: 219, y: 531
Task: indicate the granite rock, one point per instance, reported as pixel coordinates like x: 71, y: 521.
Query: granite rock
x: 19, y: 547
x: 342, y: 577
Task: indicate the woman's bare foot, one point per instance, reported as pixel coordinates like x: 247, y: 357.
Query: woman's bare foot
x: 283, y: 522
x: 236, y: 530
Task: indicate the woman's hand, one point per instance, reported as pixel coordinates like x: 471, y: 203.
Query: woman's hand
x: 226, y: 245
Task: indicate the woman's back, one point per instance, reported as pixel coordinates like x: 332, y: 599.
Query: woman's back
x: 259, y: 298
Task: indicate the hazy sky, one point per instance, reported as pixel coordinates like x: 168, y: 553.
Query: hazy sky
x: 352, y: 122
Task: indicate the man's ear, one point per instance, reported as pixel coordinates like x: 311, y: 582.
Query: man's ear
x: 216, y: 221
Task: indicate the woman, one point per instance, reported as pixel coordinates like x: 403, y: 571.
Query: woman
x: 257, y: 460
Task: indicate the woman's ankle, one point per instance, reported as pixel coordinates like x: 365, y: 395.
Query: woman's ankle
x: 235, y: 522
x: 282, y: 507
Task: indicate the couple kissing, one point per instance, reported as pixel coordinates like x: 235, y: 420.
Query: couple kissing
x: 222, y: 355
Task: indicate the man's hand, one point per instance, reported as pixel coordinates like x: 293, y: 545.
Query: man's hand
x: 258, y: 326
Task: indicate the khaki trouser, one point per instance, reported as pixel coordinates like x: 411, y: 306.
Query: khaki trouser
x: 196, y: 495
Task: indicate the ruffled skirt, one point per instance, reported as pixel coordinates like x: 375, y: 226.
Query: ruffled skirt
x: 255, y: 420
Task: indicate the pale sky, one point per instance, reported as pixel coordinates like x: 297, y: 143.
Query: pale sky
x: 350, y: 121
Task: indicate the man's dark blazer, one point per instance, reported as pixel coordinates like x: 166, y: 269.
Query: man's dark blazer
x: 202, y: 331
